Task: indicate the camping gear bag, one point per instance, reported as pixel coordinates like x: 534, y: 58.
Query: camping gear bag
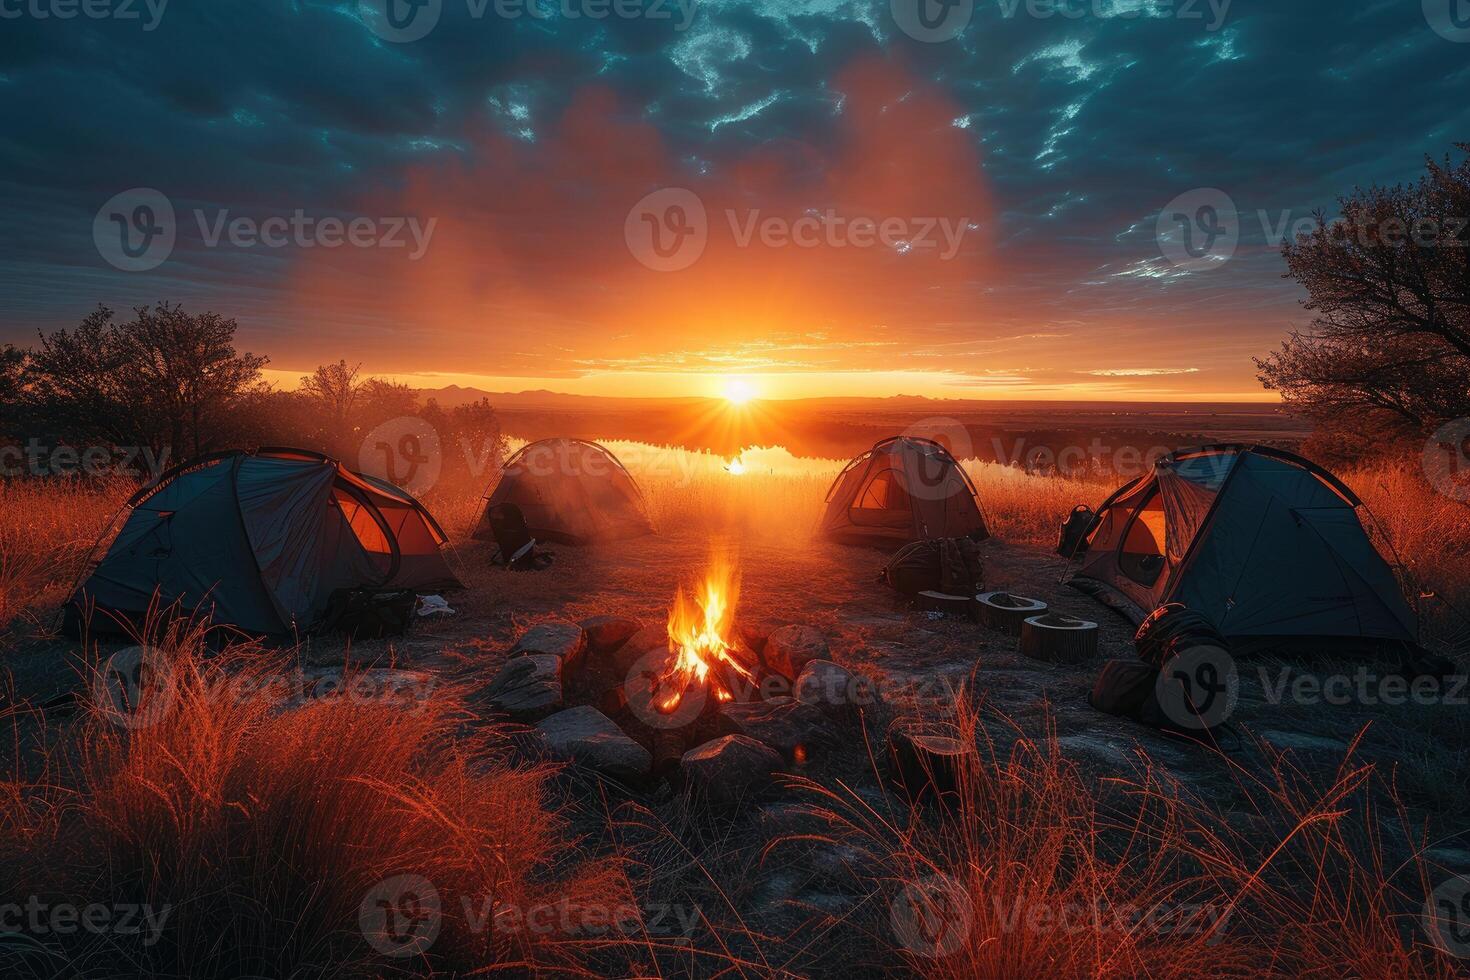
x: 369, y: 614
x: 1172, y: 629
x: 1130, y: 689
x: 952, y: 566
x: 1125, y: 688
x: 1072, y: 542
x: 516, y: 547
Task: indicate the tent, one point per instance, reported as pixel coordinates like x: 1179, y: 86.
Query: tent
x: 259, y: 541
x: 571, y: 491
x: 903, y: 489
x: 1265, y: 544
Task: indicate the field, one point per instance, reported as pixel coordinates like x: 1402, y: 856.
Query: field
x: 1084, y: 846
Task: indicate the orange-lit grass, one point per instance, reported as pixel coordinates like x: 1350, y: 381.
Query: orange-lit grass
x: 1293, y: 880
x: 1430, y: 533
x: 264, y: 829
x: 47, y: 528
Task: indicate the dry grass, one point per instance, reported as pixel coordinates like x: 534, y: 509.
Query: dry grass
x: 47, y: 528
x: 1428, y: 536
x: 1031, y: 870
x: 261, y: 834
x: 264, y: 829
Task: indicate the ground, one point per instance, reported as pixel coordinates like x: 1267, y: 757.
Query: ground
x: 753, y: 872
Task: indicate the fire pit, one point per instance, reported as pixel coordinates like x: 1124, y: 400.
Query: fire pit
x: 612, y: 691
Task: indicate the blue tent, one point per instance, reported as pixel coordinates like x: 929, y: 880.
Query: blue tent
x: 259, y: 541
x: 1264, y: 543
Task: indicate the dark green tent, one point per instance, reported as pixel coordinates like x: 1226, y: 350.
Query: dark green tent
x: 259, y: 541
x: 1264, y: 543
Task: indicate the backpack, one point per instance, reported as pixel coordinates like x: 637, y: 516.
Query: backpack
x: 516, y: 547
x: 952, y: 566
x: 1172, y: 629
x: 1132, y: 689
x: 1072, y: 543
x: 369, y: 614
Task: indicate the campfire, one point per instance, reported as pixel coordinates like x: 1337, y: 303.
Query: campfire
x: 702, y: 649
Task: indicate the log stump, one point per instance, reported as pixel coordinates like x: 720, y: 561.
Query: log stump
x: 1059, y: 639
x: 930, y: 763
x: 943, y: 602
x: 1006, y: 612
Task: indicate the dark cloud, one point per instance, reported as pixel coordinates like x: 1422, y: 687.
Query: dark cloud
x: 1070, y: 133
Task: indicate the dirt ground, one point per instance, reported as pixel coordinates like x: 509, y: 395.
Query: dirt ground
x: 871, y: 630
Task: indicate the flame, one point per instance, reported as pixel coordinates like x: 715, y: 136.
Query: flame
x: 700, y: 638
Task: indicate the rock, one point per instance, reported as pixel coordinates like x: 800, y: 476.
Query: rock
x: 560, y: 639
x: 606, y: 633
x: 791, y: 648
x: 1108, y: 754
x: 727, y: 769
x: 1302, y: 742
x: 528, y: 687
x: 649, y: 639
x: 753, y: 636
x: 528, y: 744
x: 785, y: 724
x: 833, y: 688
x: 589, y: 738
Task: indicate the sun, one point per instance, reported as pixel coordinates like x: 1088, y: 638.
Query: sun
x: 738, y: 391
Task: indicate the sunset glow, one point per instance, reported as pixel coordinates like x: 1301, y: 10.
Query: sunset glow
x: 738, y: 391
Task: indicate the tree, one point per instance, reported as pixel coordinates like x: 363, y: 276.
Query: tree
x: 166, y: 380
x: 1389, y: 283
x: 331, y: 392
x: 14, y: 364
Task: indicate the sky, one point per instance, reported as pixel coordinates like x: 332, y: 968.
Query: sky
x: 997, y: 198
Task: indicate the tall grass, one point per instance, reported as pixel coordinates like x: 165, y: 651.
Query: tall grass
x: 47, y: 528
x: 1427, y: 534
x: 261, y: 835
x: 1031, y: 870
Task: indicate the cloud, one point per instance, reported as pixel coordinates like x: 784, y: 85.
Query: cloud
x: 529, y: 139
x: 1140, y: 372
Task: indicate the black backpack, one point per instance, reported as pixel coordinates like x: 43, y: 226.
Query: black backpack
x: 952, y: 566
x: 1177, y: 684
x: 517, y: 549
x: 1072, y: 543
x: 369, y: 614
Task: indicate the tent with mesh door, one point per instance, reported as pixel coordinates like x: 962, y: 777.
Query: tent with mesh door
x: 570, y: 491
x: 1265, y: 544
x: 259, y: 541
x: 903, y: 489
